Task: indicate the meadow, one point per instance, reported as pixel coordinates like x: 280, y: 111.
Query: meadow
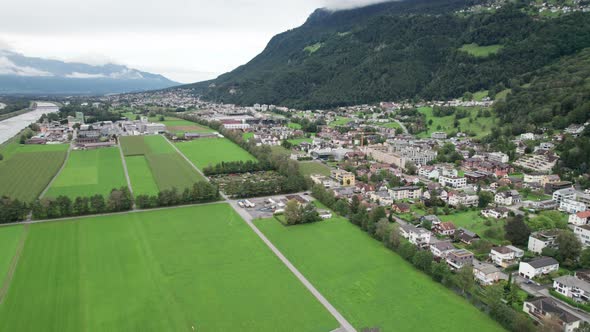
x: 197, y: 268
x: 177, y: 126
x: 212, y: 151
x: 90, y: 172
x: 339, y: 121
x: 27, y: 169
x: 311, y: 167
x: 481, y: 51
x: 369, y: 284
x: 154, y: 165
x: 473, y: 221
x: 9, y: 239
x: 479, y: 126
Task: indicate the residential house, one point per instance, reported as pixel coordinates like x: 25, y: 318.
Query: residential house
x: 506, y: 255
x: 400, y: 207
x: 583, y: 234
x: 537, y: 267
x: 509, y: 197
x: 543, y: 308
x: 497, y: 212
x: 487, y: 274
x: 456, y: 198
x: 409, y: 192
x: 441, y: 249
x: 343, y: 177
x: 580, y: 218
x: 458, y: 258
x: 572, y: 287
x: 466, y: 236
x: 452, y: 181
x: 444, y: 228
x: 419, y: 237
x: 542, y: 239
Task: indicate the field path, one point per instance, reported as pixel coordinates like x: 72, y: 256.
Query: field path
x: 13, y: 264
x: 133, y: 207
x: 63, y: 165
x: 188, y: 160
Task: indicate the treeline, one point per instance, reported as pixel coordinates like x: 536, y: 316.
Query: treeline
x: 233, y: 167
x: 91, y: 114
x: 267, y: 159
x: 201, y: 192
x: 496, y: 300
x: 265, y: 184
x: 63, y: 206
x: 12, y: 210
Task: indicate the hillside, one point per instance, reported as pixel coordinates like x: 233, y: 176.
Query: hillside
x: 398, y: 50
x: 20, y: 74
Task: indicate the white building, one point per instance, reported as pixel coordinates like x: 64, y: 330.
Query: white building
x: 410, y: 192
x: 509, y: 197
x: 580, y: 218
x: 543, y: 308
x: 540, y: 240
x: 538, y: 266
x: 419, y: 237
x: 452, y: 181
x: 572, y: 287
x: 441, y: 249
x: 505, y: 256
x: 583, y: 234
x: 498, y: 157
x: 487, y: 274
x: 572, y: 206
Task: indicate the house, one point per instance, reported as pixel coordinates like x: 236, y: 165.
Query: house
x: 487, y: 274
x: 465, y: 236
x: 509, y: 197
x: 409, y: 192
x: 446, y: 228
x: 452, y: 181
x: 580, y: 218
x: 538, y: 266
x: 458, y: 258
x: 543, y: 308
x: 506, y: 255
x: 572, y: 287
x: 400, y: 208
x: 417, y: 236
x: 343, y: 177
x: 497, y: 212
x: 382, y: 197
x: 456, y: 199
x: 583, y: 234
x: 441, y: 249
x: 542, y: 239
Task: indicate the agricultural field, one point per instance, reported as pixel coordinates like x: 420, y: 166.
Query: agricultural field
x: 212, y: 151
x: 178, y: 126
x: 90, y: 172
x: 479, y: 126
x: 369, y: 284
x: 27, y: 169
x: 311, y: 167
x: 198, y: 268
x: 9, y: 239
x: 481, y: 51
x: 154, y: 165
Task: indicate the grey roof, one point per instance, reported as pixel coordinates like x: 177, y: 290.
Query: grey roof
x: 485, y: 268
x: 550, y: 306
x: 571, y: 281
x: 443, y: 245
x: 542, y: 262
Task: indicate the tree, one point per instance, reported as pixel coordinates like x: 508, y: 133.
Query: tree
x: 423, y: 260
x: 440, y: 272
x: 568, y: 247
x: 1, y: 157
x: 383, y: 228
x: 464, y: 278
x: 395, y: 237
x: 341, y: 207
x: 407, y: 251
x: 410, y: 167
x: 585, y: 258
x: 584, y: 327
x: 517, y: 231
x: 485, y: 198
x: 292, y: 213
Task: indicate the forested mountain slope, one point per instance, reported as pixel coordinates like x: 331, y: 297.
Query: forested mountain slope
x: 398, y: 50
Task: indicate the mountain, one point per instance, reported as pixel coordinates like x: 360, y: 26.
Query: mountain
x: 20, y: 74
x: 401, y: 50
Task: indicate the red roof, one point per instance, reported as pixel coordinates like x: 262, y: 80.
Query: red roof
x: 583, y: 214
x: 447, y: 226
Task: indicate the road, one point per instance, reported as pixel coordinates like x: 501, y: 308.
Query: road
x: 543, y: 290
x: 402, y: 125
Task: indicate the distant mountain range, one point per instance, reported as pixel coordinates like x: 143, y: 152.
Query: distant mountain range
x: 423, y: 49
x: 20, y: 74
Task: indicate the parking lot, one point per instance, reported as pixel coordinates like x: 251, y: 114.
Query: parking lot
x: 265, y: 207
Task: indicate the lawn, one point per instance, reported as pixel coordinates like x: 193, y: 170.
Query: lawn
x: 212, y: 151
x: 311, y: 167
x: 176, y: 125
x: 247, y: 136
x: 154, y: 165
x: 480, y: 95
x: 197, y: 268
x: 297, y: 141
x: 90, y: 172
x: 473, y: 221
x: 28, y: 169
x: 340, y: 121
x: 294, y: 125
x: 369, y: 284
x: 479, y: 126
x: 9, y: 238
x: 481, y: 51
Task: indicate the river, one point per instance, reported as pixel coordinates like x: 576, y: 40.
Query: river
x: 12, y: 126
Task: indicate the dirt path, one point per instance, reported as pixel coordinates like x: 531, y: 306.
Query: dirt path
x: 13, y: 264
x: 133, y: 207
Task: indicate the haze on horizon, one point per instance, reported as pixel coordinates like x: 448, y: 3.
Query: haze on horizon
x: 186, y: 41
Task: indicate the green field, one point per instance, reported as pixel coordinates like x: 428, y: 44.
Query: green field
x: 185, y: 269
x: 311, y: 167
x: 294, y: 125
x: 339, y: 121
x: 247, y: 136
x: 176, y: 125
x: 473, y: 221
x: 370, y: 285
x: 480, y: 95
x: 154, y: 165
x: 9, y: 238
x: 479, y: 126
x: 212, y: 151
x: 90, y: 172
x: 297, y: 141
x: 28, y: 169
x: 391, y: 125
x: 481, y: 51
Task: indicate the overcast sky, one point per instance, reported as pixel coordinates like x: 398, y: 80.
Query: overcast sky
x: 185, y: 40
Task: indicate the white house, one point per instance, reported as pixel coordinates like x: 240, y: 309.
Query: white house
x: 572, y: 206
x: 542, y: 239
x: 487, y: 274
x: 572, y: 287
x: 505, y: 256
x: 507, y: 197
x: 498, y: 212
x: 580, y: 218
x: 543, y: 308
x: 583, y: 234
x: 537, y: 267
x: 419, y: 237
x: 452, y: 181
x: 441, y: 249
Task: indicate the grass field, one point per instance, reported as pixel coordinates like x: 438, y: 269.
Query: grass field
x: 247, y: 136
x: 473, y: 221
x: 154, y: 165
x: 185, y: 269
x: 294, y: 125
x: 479, y: 126
x: 176, y: 125
x: 312, y: 167
x: 370, y: 285
x: 340, y: 121
x: 90, y: 172
x: 28, y: 169
x: 391, y: 125
x: 297, y: 141
x: 9, y: 238
x: 481, y: 51
x: 212, y: 151
x: 480, y: 95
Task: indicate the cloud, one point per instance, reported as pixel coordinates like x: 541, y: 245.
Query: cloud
x: 350, y: 4
x: 8, y: 67
x: 84, y: 75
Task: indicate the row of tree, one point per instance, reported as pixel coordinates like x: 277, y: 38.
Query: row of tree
x: 233, y: 167
x: 495, y: 299
x: 12, y: 210
x: 201, y: 192
x: 63, y: 206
